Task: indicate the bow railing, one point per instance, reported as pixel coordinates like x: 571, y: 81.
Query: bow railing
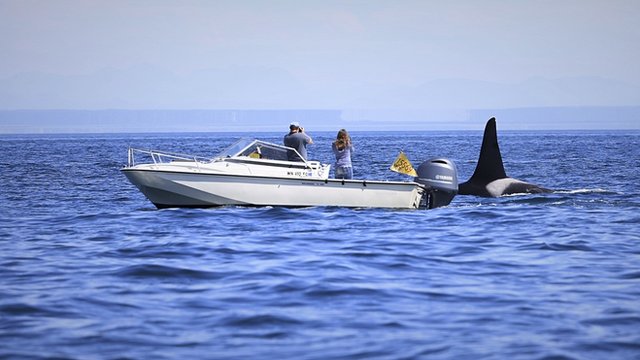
x: 140, y: 156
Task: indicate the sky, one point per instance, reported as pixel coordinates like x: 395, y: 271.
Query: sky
x: 291, y: 54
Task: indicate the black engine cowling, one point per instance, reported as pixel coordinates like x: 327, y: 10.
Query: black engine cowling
x: 440, y: 177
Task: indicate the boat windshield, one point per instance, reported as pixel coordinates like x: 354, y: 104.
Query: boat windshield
x: 257, y: 149
x: 234, y: 149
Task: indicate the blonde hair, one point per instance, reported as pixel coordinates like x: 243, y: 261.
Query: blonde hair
x: 342, y: 139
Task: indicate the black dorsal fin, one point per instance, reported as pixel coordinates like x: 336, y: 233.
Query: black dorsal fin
x: 489, y: 165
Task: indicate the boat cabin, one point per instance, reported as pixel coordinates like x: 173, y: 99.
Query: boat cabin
x: 261, y: 153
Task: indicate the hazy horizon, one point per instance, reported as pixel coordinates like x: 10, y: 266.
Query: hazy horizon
x: 137, y: 121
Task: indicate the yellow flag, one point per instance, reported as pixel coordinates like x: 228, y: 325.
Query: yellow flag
x: 403, y: 165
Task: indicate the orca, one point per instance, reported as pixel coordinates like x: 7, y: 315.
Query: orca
x: 489, y: 179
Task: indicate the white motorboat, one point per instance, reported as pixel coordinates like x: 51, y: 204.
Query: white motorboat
x: 257, y: 173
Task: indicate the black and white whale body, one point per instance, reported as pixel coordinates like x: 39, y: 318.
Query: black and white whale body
x: 489, y: 179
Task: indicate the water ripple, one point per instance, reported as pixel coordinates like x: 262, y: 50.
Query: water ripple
x: 166, y: 272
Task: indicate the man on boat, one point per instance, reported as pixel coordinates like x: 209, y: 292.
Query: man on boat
x: 297, y: 139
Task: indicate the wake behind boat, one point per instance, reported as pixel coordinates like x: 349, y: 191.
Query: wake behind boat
x: 258, y: 173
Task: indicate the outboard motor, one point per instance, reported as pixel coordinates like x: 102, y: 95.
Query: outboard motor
x: 440, y: 177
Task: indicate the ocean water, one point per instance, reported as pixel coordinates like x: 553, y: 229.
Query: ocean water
x: 89, y: 269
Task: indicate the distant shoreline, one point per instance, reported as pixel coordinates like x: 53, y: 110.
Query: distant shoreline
x: 61, y: 121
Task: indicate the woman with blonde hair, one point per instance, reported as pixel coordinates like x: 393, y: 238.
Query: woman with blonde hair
x: 342, y: 149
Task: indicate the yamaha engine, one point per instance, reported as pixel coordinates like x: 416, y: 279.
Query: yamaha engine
x: 440, y: 177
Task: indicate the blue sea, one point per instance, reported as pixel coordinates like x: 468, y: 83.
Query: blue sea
x: 89, y: 269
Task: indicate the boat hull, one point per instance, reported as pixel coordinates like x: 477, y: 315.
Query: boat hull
x: 180, y: 189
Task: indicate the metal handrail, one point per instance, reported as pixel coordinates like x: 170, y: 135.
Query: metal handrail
x: 160, y: 157
x: 164, y: 157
